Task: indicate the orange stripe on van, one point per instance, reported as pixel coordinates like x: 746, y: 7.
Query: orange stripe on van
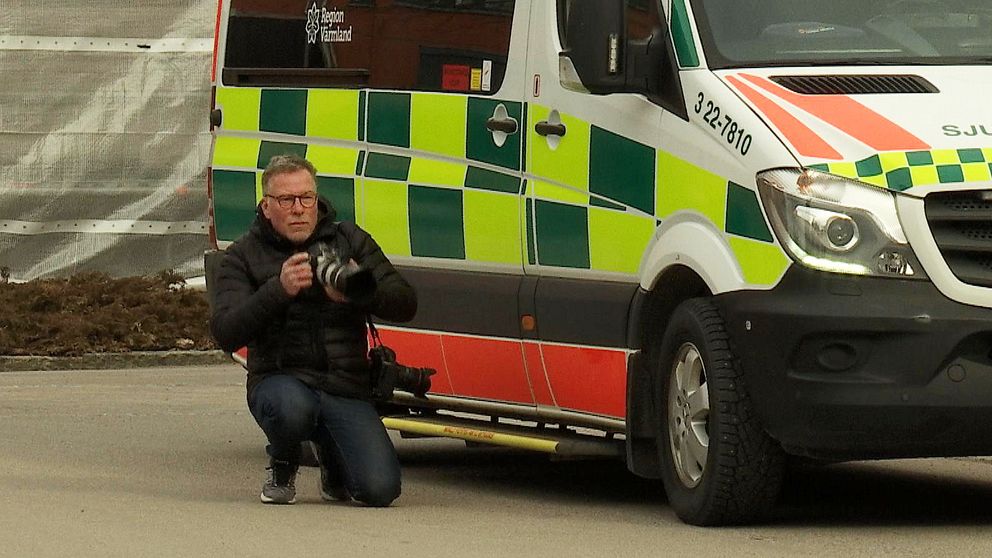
x: 805, y: 140
x: 535, y: 372
x: 578, y: 378
x: 849, y: 116
x: 487, y: 368
x: 587, y: 379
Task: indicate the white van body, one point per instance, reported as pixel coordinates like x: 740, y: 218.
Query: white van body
x: 715, y: 233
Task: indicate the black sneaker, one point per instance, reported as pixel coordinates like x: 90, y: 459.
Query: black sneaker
x: 332, y: 487
x: 280, y: 488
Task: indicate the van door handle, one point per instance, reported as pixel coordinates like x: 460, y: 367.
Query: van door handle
x: 546, y: 128
x: 505, y: 125
x: 216, y: 118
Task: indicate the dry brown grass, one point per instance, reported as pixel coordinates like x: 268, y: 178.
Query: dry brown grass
x: 94, y: 313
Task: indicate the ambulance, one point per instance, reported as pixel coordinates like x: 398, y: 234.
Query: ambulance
x: 707, y: 237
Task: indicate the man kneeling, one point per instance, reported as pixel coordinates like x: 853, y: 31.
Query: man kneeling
x: 308, y: 372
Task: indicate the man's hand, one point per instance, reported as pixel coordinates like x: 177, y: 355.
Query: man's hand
x: 335, y: 295
x: 296, y: 274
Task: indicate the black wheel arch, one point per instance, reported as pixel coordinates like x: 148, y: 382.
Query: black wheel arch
x: 649, y: 316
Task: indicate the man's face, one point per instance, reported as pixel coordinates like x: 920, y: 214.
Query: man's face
x: 296, y: 222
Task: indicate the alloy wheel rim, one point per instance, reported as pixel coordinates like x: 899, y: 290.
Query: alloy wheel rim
x: 688, y: 415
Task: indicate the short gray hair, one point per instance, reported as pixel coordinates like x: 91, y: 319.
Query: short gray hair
x: 283, y: 164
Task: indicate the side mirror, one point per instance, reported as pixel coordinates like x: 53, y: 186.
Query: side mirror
x: 599, y: 59
x: 595, y: 31
x: 598, y: 55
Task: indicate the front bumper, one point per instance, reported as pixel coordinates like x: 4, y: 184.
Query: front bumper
x: 855, y: 367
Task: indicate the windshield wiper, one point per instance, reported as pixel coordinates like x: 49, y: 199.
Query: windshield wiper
x: 862, y: 62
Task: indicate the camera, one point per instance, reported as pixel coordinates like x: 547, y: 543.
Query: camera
x: 343, y: 274
x: 388, y: 375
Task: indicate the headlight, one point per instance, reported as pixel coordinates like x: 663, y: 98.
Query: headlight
x: 839, y: 225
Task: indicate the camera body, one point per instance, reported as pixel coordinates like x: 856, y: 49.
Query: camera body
x: 388, y: 375
x: 344, y: 275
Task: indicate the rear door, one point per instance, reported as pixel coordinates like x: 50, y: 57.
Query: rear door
x: 412, y: 111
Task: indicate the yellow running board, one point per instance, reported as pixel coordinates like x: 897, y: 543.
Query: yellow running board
x: 550, y: 440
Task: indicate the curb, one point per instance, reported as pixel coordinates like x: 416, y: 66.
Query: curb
x: 111, y: 361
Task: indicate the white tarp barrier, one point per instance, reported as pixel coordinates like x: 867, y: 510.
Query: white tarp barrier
x: 104, y: 136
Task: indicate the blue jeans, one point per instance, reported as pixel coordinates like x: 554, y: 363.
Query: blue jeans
x: 290, y: 413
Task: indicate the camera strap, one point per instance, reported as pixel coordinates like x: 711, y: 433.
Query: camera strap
x: 373, y: 332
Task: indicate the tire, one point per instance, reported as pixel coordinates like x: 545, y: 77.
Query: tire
x: 719, y: 466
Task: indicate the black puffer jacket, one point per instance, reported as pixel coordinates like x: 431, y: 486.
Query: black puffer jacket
x: 319, y: 341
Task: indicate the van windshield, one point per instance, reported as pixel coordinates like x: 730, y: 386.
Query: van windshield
x: 749, y: 33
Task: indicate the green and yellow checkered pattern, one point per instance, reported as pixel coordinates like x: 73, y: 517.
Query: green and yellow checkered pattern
x: 902, y: 170
x: 421, y: 173
x: 425, y: 206
x: 597, y: 199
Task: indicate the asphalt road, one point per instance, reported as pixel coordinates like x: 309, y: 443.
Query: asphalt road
x: 168, y: 462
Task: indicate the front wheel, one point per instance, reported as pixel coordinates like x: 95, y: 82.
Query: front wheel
x: 719, y: 467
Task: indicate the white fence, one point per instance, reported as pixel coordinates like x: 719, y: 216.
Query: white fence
x: 104, y: 136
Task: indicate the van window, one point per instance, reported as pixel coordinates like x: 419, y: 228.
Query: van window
x: 740, y: 33
x: 426, y: 45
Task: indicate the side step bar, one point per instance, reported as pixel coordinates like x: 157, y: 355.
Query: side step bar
x: 560, y: 442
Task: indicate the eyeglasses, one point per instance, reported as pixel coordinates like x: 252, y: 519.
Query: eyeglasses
x: 288, y: 201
